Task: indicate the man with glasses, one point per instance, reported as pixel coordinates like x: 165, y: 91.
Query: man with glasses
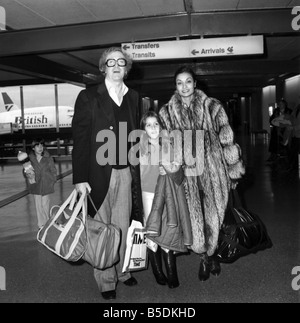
x: 100, y: 167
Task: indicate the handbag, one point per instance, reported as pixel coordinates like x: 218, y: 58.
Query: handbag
x: 136, y: 255
x: 64, y: 233
x: 103, y: 241
x: 242, y: 232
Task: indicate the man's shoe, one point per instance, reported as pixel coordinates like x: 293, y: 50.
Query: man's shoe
x: 130, y: 282
x: 111, y: 294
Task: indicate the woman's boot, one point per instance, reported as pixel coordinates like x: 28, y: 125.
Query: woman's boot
x: 204, y: 267
x: 215, y: 267
x: 156, y: 264
x: 170, y: 262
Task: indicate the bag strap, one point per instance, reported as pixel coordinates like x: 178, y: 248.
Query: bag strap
x: 234, y: 204
x: 73, y: 201
x: 69, y: 200
x: 78, y: 207
x: 97, y: 211
x: 236, y: 200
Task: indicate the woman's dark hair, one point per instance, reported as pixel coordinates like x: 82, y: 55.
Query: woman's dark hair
x: 185, y: 69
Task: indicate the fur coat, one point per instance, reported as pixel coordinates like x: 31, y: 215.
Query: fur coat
x: 206, y: 194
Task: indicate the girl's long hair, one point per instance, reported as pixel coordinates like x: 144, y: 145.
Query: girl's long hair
x: 145, y: 142
x: 37, y: 141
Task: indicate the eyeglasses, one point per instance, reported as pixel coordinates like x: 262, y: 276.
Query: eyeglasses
x: 112, y: 62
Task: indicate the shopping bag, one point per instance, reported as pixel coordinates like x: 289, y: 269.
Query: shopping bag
x: 136, y: 256
x: 103, y: 242
x: 242, y: 232
x: 64, y: 233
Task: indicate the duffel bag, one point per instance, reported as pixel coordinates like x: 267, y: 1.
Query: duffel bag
x: 242, y: 232
x: 64, y: 233
x: 103, y: 241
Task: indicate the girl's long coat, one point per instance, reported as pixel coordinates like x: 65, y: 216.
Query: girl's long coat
x: 169, y: 224
x: 45, y: 174
x: 221, y: 160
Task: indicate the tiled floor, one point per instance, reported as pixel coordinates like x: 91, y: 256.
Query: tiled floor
x: 34, y: 274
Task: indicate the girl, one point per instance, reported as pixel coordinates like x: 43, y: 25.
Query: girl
x: 45, y: 178
x: 167, y: 233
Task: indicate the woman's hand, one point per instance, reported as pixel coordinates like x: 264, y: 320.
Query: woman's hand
x: 83, y: 188
x: 233, y: 184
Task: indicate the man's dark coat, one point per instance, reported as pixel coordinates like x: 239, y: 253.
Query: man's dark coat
x: 93, y: 113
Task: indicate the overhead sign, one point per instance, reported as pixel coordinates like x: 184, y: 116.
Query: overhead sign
x: 194, y: 48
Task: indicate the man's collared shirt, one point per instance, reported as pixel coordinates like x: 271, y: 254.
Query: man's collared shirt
x: 112, y: 91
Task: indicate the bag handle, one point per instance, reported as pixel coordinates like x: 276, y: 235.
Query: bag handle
x: 78, y: 207
x: 73, y: 201
x: 97, y: 211
x: 70, y: 198
x: 236, y: 200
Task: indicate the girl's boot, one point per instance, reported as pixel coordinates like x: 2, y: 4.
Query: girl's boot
x: 170, y: 263
x: 156, y: 264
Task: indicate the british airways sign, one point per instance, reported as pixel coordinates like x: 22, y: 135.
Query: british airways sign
x: 194, y: 48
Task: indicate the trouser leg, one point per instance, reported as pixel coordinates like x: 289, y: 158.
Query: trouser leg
x: 42, y: 204
x: 117, y: 207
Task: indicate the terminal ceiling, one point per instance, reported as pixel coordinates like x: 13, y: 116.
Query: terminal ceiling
x: 48, y: 41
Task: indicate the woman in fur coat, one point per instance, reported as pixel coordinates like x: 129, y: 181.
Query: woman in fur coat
x: 216, y: 166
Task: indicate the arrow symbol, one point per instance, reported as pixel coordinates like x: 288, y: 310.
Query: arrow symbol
x: 230, y: 49
x: 125, y: 47
x: 194, y: 52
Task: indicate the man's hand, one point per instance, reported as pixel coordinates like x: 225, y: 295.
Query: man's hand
x: 162, y: 170
x: 83, y: 188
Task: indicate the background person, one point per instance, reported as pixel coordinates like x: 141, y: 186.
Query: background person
x: 295, y: 140
x: 45, y: 178
x: 207, y: 194
x: 105, y: 107
x: 280, y: 121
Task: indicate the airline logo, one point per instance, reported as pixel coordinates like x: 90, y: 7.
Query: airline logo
x: 32, y: 120
x: 36, y: 118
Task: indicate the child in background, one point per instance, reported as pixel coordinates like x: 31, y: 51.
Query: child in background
x: 157, y: 159
x: 45, y: 178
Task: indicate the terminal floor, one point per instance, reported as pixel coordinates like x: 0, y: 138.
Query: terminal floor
x: 35, y: 275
